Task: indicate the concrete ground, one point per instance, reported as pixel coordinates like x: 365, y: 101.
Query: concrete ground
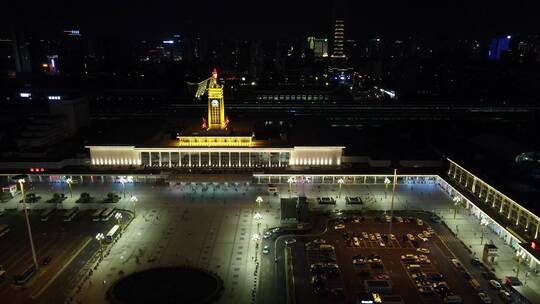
x: 214, y: 228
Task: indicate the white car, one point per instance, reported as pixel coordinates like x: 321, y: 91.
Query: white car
x: 267, y: 235
x: 266, y: 249
x: 290, y: 241
x: 423, y: 250
x: 495, y: 284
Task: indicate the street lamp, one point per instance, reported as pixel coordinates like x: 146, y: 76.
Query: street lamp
x: 69, y: 181
x: 340, y: 182
x: 122, y: 181
x: 484, y: 223
x: 256, y: 237
x: 21, y: 180
x: 259, y: 200
x: 134, y: 199
x: 456, y: 200
x: 258, y: 217
x: 118, y: 217
x: 99, y: 238
x: 291, y: 180
x: 392, y: 202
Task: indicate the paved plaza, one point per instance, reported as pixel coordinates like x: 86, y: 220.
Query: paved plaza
x: 212, y: 226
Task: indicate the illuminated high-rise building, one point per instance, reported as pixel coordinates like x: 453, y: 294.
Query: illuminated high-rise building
x: 338, y: 30
x: 319, y: 46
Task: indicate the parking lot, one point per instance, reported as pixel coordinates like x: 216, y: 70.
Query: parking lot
x: 416, y: 263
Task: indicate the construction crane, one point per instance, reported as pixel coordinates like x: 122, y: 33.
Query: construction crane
x: 202, y: 87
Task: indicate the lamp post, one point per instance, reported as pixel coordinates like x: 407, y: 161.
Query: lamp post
x: 456, y: 200
x: 340, y: 182
x: 69, y: 181
x: 386, y: 183
x: 21, y: 180
x: 291, y: 180
x: 122, y: 181
x: 256, y: 237
x: 134, y: 199
x: 99, y: 238
x: 392, y: 203
x: 483, y: 223
x: 258, y: 217
x: 259, y: 200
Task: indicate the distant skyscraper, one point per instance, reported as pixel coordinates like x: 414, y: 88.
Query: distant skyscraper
x: 338, y: 33
x: 319, y: 46
x: 498, y: 46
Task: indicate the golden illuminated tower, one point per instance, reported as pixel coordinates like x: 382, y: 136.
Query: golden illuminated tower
x: 216, y: 107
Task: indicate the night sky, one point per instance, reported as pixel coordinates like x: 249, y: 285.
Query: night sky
x: 276, y: 18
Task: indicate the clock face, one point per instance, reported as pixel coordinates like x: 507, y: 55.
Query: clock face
x: 215, y: 103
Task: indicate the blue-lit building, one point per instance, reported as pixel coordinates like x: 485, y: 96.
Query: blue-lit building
x: 498, y: 46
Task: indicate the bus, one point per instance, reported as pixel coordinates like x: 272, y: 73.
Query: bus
x: 96, y: 217
x: 70, y: 214
x: 107, y: 214
x: 21, y: 279
x: 4, y: 229
x: 46, y: 214
x: 112, y: 234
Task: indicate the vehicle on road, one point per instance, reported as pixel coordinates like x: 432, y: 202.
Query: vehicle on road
x: 422, y: 237
x: 339, y: 226
x: 112, y: 234
x: 377, y: 236
x: 267, y: 235
x: 46, y: 261
x: 505, y: 296
x: 484, y: 298
x: 495, y: 284
x: 457, y: 263
x: 21, y: 279
x: 4, y: 229
x: 266, y: 249
x: 290, y: 241
x: 422, y: 250
x: 476, y: 261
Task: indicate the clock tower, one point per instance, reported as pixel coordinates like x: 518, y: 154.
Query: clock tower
x: 216, y: 109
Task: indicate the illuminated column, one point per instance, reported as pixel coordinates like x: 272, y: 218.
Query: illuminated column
x: 269, y: 159
x: 249, y: 158
x: 528, y: 217
x: 536, y: 233
x: 209, y: 159
x: 501, y: 208
x: 219, y: 157
x: 199, y: 158
x: 239, y: 159
x: 159, y: 157
x: 474, y: 184
x: 517, y: 217
x: 189, y: 157
x: 170, y: 162
x: 179, y: 159
x: 229, y: 159
x: 365, y: 178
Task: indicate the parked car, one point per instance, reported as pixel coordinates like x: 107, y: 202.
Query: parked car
x: 266, y: 249
x: 484, y: 298
x: 495, y: 284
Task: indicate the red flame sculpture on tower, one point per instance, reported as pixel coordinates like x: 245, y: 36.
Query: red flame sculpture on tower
x: 214, y: 73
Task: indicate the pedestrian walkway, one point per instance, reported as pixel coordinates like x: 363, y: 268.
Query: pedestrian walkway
x: 468, y: 229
